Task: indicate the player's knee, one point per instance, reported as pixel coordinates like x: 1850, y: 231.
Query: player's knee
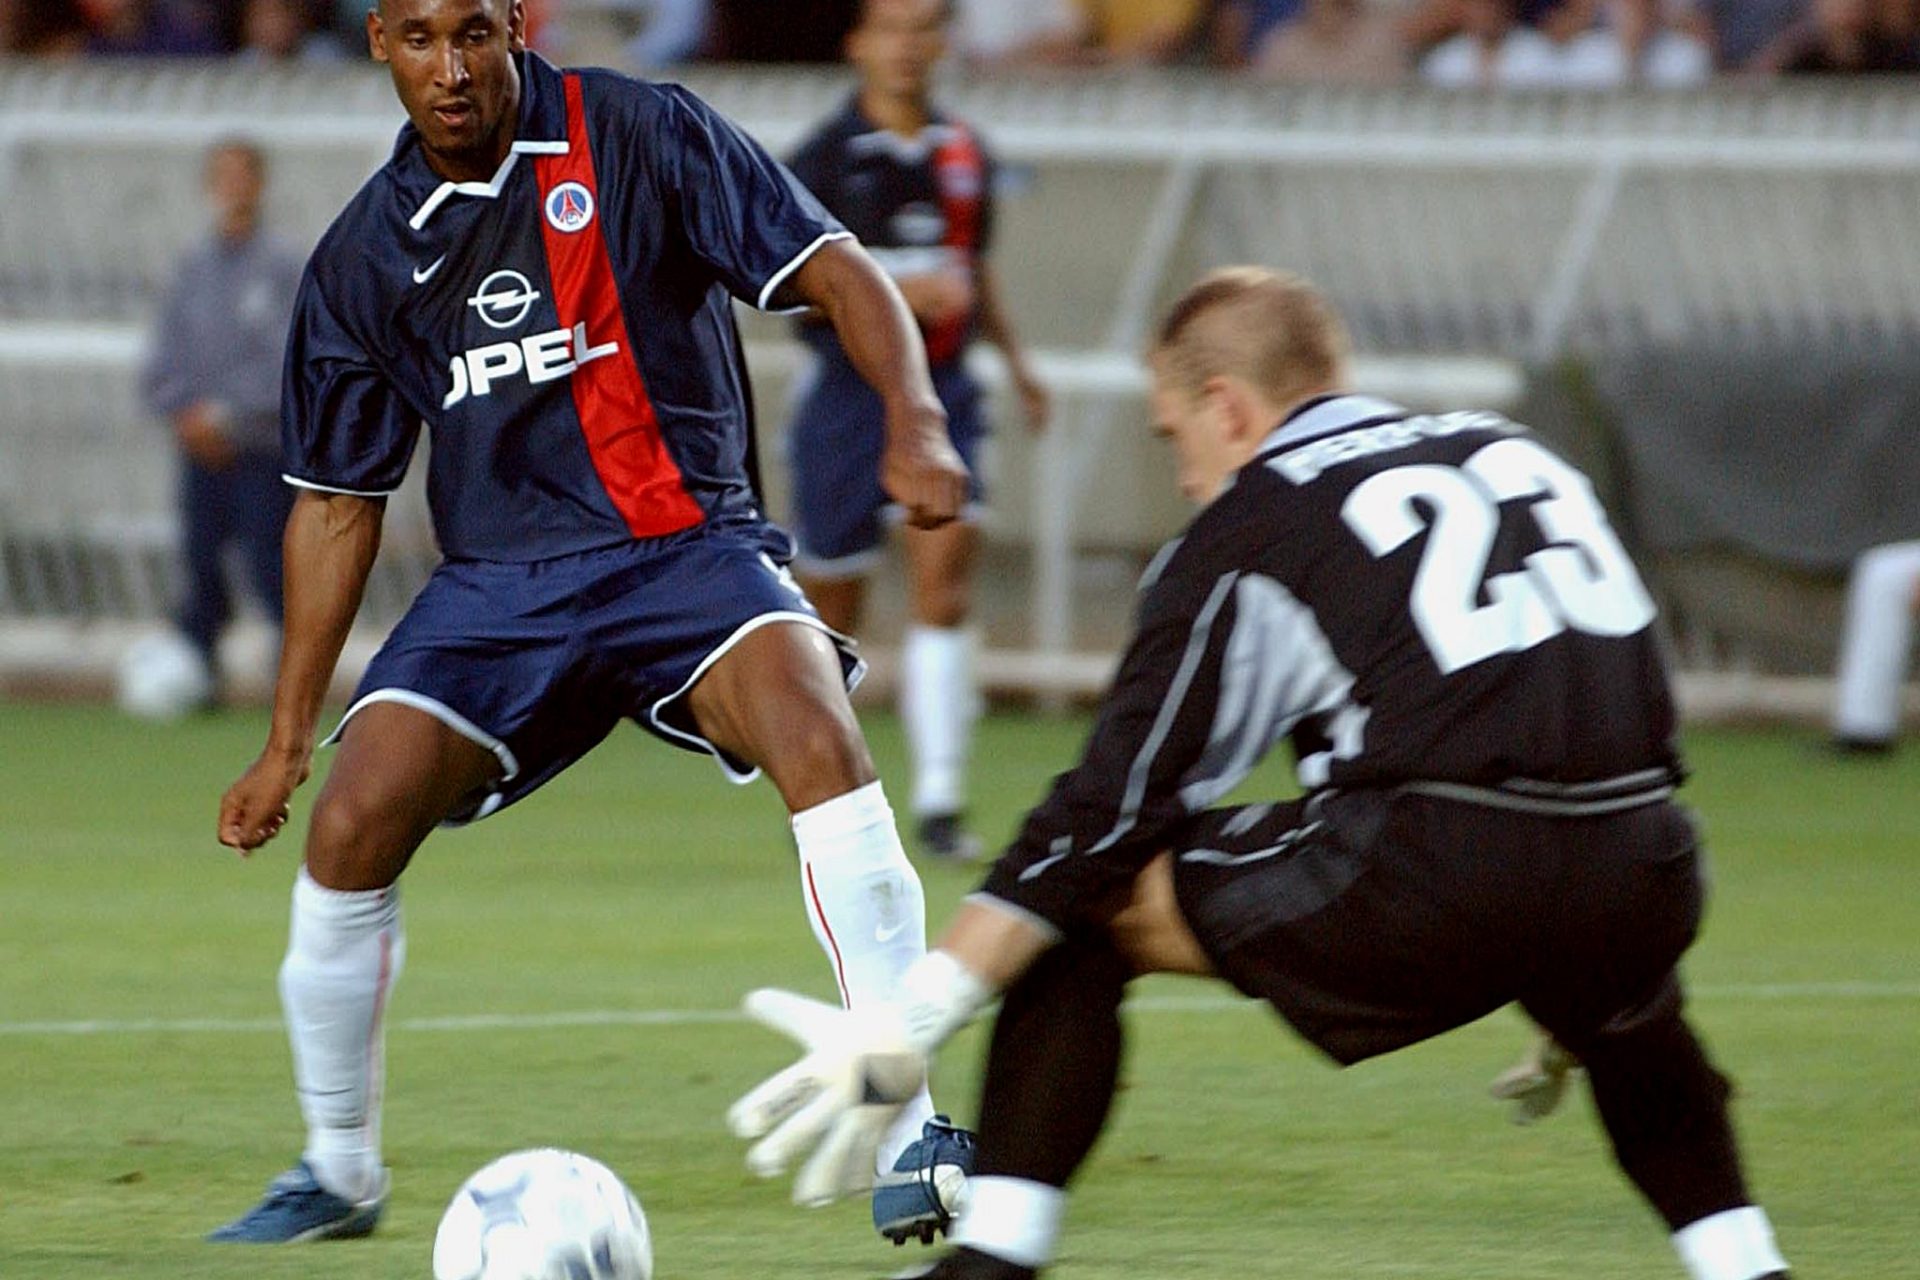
x: 1654, y: 1074
x: 353, y: 842
x: 825, y: 751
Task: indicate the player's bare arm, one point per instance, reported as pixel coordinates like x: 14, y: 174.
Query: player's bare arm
x: 921, y: 470
x: 996, y: 326
x: 331, y: 542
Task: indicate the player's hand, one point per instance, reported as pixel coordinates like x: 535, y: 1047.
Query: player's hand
x: 1035, y: 400
x: 255, y: 808
x: 922, y: 471
x: 838, y: 1100
x: 202, y: 431
x: 1536, y: 1083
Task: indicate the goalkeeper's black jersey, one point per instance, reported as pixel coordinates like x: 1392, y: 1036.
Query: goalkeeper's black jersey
x: 1434, y: 601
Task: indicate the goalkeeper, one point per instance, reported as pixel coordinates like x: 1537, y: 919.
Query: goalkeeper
x: 1436, y: 613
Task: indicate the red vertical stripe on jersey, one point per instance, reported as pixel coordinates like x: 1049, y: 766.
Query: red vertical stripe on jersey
x: 960, y: 173
x: 616, y: 416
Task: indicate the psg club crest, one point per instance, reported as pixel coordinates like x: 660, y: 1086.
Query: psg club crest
x: 569, y: 207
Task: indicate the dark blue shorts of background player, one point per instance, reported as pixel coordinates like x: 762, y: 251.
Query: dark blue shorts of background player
x: 839, y: 508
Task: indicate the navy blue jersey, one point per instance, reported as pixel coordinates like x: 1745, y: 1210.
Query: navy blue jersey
x: 564, y: 329
x: 918, y: 204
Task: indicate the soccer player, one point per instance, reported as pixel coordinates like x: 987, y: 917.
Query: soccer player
x: 1436, y: 614
x: 541, y: 274
x: 917, y: 187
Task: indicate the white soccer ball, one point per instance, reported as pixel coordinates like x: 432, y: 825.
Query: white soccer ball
x: 543, y: 1215
x: 162, y: 677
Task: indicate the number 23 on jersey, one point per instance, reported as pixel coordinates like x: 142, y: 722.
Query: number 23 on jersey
x: 1582, y: 579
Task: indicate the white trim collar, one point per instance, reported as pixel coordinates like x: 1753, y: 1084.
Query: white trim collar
x: 490, y: 189
x: 1338, y: 413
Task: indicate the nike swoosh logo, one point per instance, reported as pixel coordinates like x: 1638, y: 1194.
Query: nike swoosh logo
x: 887, y: 935
x: 421, y: 277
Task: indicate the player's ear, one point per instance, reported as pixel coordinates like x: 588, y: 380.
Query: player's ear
x: 517, y: 25
x: 376, y: 36
x: 1222, y: 397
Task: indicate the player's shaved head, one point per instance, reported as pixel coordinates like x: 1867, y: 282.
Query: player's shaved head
x: 1270, y: 329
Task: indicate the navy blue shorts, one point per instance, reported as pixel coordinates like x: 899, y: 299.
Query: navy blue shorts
x: 538, y: 662
x: 833, y: 449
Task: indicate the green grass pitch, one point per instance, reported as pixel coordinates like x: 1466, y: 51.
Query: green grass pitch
x: 573, y: 961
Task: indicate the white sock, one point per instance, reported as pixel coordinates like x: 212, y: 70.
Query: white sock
x: 1875, y: 642
x: 1014, y: 1219
x: 344, y: 951
x: 1736, y: 1244
x: 864, y: 901
x: 938, y: 704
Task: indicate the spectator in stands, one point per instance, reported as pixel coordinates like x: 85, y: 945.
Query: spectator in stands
x: 997, y: 33
x: 1334, y: 42
x: 1492, y: 49
x: 1848, y: 37
x: 1621, y: 43
x: 1241, y: 28
x: 1577, y: 44
x: 1747, y: 32
x: 1142, y: 31
x: 1883, y: 594
x: 283, y: 31
x: 42, y: 28
x: 151, y: 28
x: 214, y: 373
x: 1658, y: 43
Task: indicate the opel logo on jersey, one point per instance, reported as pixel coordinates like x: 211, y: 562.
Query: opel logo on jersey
x: 504, y: 298
x: 569, y: 207
x: 539, y: 357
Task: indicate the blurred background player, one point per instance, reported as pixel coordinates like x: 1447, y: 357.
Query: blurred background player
x: 1487, y: 818
x: 916, y: 187
x: 213, y: 372
x: 1883, y: 594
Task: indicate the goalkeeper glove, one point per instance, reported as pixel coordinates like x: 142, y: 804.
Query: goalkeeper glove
x: 1536, y: 1083
x: 858, y: 1068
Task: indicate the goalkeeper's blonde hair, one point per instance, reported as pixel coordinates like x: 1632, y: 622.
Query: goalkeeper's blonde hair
x: 1273, y: 329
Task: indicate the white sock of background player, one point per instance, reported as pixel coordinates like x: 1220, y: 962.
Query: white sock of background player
x: 344, y: 950
x: 864, y: 901
x: 1875, y: 642
x: 938, y: 705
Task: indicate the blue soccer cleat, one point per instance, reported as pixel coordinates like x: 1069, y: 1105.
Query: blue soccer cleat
x: 297, y: 1207
x: 918, y: 1199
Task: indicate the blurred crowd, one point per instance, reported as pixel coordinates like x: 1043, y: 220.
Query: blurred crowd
x: 1594, y: 44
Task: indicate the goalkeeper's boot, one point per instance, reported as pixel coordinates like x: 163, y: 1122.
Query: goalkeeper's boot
x: 970, y: 1264
x: 297, y: 1207
x: 918, y: 1199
